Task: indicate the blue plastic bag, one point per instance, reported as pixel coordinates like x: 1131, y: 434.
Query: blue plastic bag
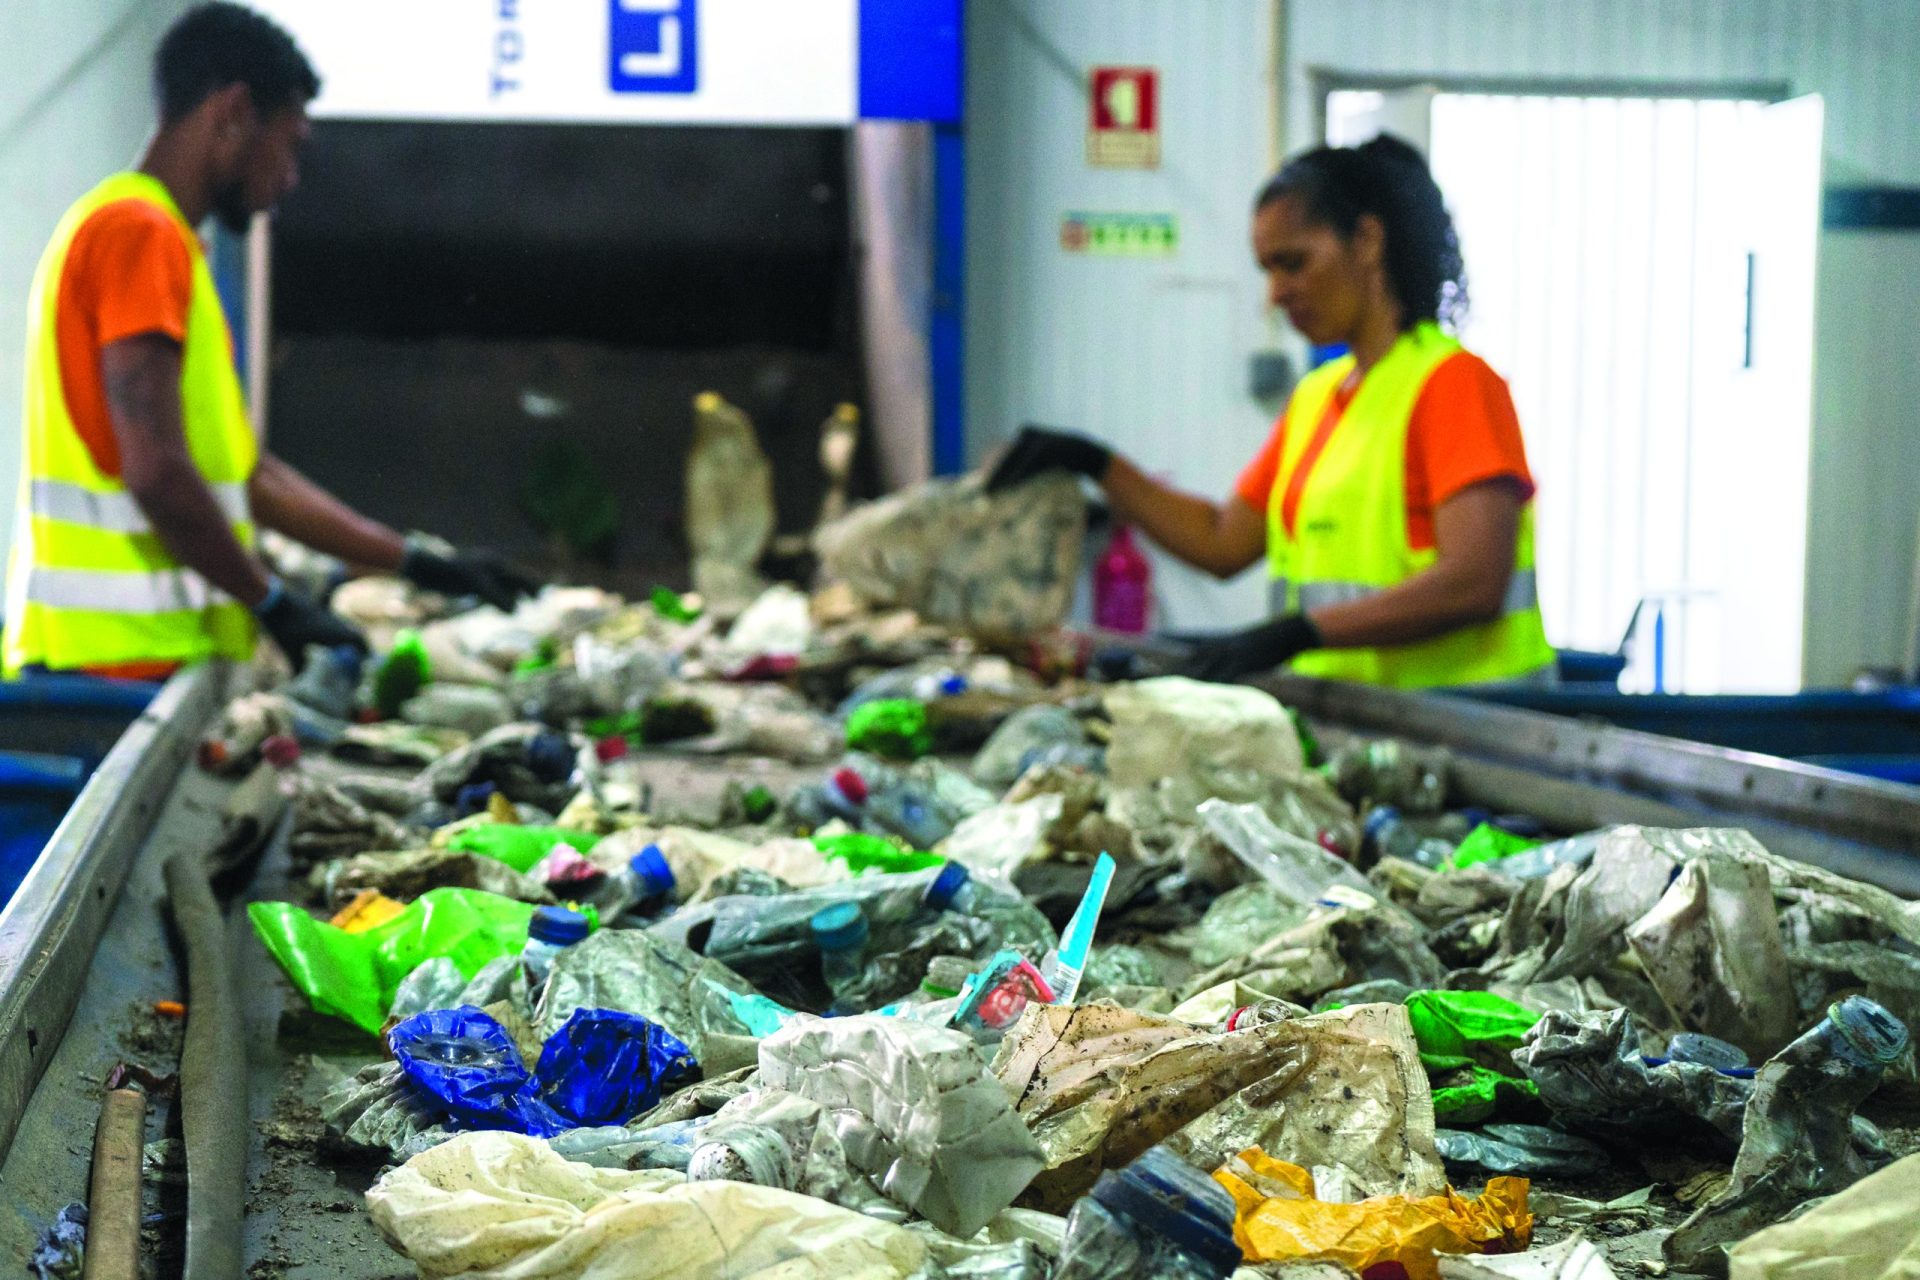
x: 601, y: 1067
x: 467, y: 1062
x: 605, y: 1067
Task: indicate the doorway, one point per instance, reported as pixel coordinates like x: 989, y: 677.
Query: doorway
x: 1640, y: 269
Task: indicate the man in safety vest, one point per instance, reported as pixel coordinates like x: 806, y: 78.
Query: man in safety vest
x: 143, y: 484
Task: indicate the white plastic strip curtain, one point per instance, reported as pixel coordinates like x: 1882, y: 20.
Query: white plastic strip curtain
x: 1607, y: 285
x: 893, y: 242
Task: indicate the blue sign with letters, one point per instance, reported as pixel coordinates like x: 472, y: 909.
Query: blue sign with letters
x: 653, y: 46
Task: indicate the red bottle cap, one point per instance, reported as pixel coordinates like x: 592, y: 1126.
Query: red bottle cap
x: 851, y: 784
x: 281, y: 750
x: 613, y: 748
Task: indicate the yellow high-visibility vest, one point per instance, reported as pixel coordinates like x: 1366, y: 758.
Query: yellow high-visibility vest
x: 1350, y: 532
x: 88, y: 582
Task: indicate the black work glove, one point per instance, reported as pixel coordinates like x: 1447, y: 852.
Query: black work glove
x: 295, y: 622
x: 1038, y: 450
x: 464, y: 573
x: 1261, y: 648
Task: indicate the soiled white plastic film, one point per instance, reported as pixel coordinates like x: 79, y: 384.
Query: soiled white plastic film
x: 500, y: 1206
x: 915, y: 1111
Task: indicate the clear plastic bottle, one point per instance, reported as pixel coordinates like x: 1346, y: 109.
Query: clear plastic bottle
x: 1158, y: 1217
x: 842, y: 795
x: 550, y: 931
x: 840, y: 932
x: 1389, y: 834
x: 1018, y: 923
x: 646, y: 884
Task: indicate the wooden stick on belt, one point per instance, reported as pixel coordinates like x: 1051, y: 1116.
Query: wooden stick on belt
x: 113, y: 1204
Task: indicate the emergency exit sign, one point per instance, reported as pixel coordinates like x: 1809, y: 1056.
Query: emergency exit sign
x: 1123, y: 126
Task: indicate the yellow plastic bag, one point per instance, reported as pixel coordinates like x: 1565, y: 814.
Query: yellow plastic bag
x: 1279, y: 1220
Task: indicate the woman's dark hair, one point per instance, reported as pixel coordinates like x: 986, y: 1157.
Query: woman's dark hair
x: 214, y: 45
x: 1387, y: 178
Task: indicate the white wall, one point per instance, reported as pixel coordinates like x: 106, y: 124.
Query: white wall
x: 1153, y: 355
x: 1149, y: 354
x: 74, y: 107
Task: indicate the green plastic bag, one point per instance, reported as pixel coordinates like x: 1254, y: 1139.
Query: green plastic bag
x: 891, y: 727
x: 1478, y: 1099
x: 1488, y: 843
x: 355, y: 975
x: 519, y: 847
x: 1455, y: 1028
x: 673, y: 606
x: 862, y: 852
x: 402, y: 673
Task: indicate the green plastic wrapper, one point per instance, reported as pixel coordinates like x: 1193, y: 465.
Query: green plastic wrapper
x: 1488, y: 1092
x: 1457, y: 1027
x: 355, y: 975
x: 892, y: 727
x: 862, y: 852
x: 402, y: 673
x: 1488, y: 843
x: 519, y: 847
x: 673, y: 606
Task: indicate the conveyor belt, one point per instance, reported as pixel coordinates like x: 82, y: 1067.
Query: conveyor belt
x: 87, y: 998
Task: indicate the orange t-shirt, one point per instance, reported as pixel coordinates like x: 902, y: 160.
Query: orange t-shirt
x: 129, y: 271
x: 1463, y: 431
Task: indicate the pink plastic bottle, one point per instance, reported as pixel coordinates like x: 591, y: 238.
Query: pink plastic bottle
x: 1121, y: 580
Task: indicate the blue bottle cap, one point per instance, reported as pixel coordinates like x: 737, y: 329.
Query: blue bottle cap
x: 473, y: 797
x: 946, y: 886
x: 1170, y: 1197
x: 953, y: 686
x: 1692, y: 1046
x: 348, y: 657
x: 557, y: 925
x: 649, y: 867
x: 1378, y: 819
x: 840, y: 927
x: 1869, y: 1029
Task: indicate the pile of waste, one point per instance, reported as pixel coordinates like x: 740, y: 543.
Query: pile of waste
x: 854, y: 934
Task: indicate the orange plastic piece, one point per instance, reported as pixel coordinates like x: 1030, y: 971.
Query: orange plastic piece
x: 170, y: 1008
x: 1280, y: 1221
x: 368, y: 909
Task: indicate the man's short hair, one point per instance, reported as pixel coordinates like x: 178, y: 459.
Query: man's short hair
x: 215, y: 45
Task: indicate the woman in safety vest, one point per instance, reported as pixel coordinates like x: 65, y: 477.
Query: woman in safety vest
x: 1393, y: 502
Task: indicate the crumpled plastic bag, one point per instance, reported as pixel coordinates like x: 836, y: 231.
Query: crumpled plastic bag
x: 1297, y: 869
x: 1021, y: 736
x: 605, y: 1067
x: 1334, y: 947
x: 1279, y: 1219
x: 1867, y: 1232
x: 730, y: 507
x: 1211, y: 733
x: 773, y: 1138
x: 1001, y: 839
x: 628, y: 970
x: 1590, y: 1073
x: 499, y: 1206
x: 468, y: 1064
x: 1342, y: 1090
x: 328, y: 823
x: 379, y: 1110
x: 915, y: 1110
x: 1000, y: 565
x: 1711, y: 947
x: 1839, y: 935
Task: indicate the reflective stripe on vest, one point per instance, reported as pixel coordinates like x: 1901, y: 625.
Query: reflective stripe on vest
x: 1523, y: 592
x: 115, y: 511
x: 1349, y: 538
x: 97, y: 591
x: 89, y: 584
